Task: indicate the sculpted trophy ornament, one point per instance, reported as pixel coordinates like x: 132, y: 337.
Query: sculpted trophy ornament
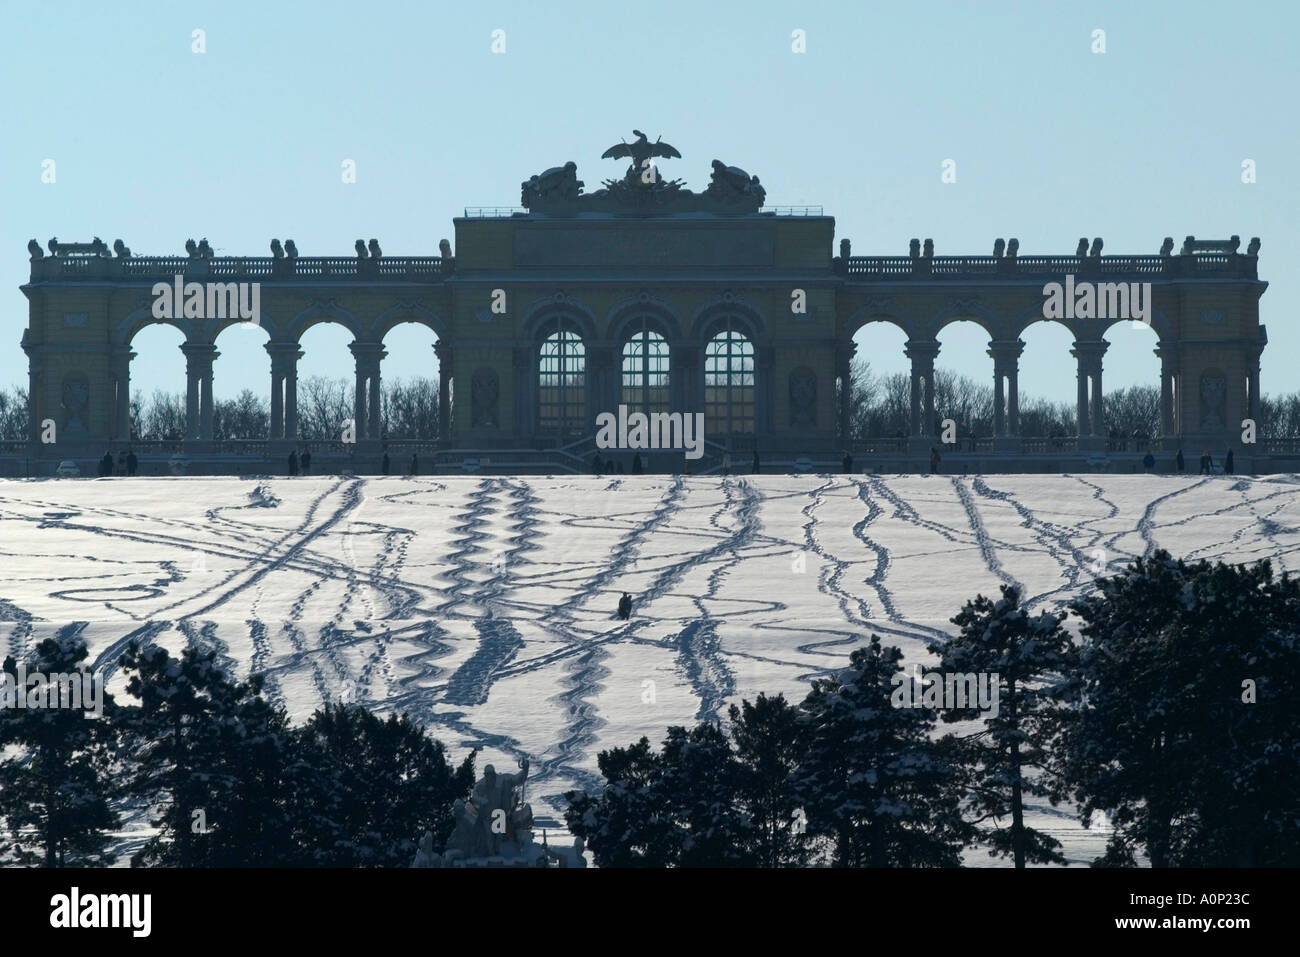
x: 641, y: 189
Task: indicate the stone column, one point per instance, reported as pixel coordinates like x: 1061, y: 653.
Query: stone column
x: 922, y: 352
x: 999, y: 405
x: 764, y: 388
x: 276, y: 425
x: 1252, y: 390
x: 205, y: 407
x: 1168, y: 370
x: 445, y: 373
x: 198, y: 393
x: 1006, y: 393
x: 122, y: 380
x: 374, y: 429
x: 191, y: 402
x: 284, y: 390
x: 1092, y: 433
x: 604, y: 381
x: 366, y: 410
x: 844, y: 370
x: 523, y: 378
x: 291, y: 395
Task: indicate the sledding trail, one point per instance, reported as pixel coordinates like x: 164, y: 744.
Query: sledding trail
x: 982, y: 538
x: 700, y: 656
x: 1057, y: 542
x: 499, y: 643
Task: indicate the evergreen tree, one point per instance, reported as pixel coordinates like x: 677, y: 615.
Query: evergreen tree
x: 371, y: 787
x: 1027, y: 658
x: 212, y: 753
x: 55, y: 794
x: 699, y: 781
x: 629, y: 824
x: 769, y: 748
x: 1189, y: 735
x: 873, y: 782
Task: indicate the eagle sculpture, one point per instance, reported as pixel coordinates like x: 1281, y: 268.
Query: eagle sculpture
x: 640, y: 150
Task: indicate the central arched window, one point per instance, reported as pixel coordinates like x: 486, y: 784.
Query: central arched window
x: 645, y: 372
x: 729, y: 383
x: 562, y: 383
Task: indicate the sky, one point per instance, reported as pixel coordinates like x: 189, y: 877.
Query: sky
x: 154, y: 143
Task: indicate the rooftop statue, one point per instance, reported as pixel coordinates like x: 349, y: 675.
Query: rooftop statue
x: 641, y: 149
x: 641, y: 189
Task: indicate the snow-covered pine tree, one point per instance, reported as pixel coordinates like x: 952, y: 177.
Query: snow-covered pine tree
x: 1190, y: 737
x: 769, y: 747
x: 211, y: 753
x: 628, y: 823
x: 873, y: 782
x: 1029, y: 658
x: 55, y: 796
x: 370, y: 786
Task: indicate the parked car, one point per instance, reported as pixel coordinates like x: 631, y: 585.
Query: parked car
x: 67, y: 469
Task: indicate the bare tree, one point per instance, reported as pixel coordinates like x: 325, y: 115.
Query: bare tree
x: 245, y: 417
x: 14, y: 421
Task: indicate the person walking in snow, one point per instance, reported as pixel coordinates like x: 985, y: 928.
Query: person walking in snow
x: 1207, y: 463
x: 132, y: 463
x: 1178, y: 461
x: 726, y: 463
x: 383, y: 466
x: 848, y: 463
x: 934, y: 460
x: 306, y: 462
x: 755, y: 461
x: 415, y: 464
x: 625, y: 606
x: 293, y: 462
x: 1227, y: 463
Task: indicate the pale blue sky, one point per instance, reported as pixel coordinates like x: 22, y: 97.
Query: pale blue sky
x: 155, y: 144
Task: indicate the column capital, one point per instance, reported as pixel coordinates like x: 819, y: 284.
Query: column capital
x: 368, y: 354
x: 921, y: 350
x: 1089, y: 353
x: 199, y: 357
x: 1006, y: 349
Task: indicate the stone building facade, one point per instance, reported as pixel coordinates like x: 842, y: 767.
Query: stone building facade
x: 641, y: 294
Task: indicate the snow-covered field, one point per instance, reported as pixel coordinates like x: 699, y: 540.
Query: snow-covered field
x: 485, y: 606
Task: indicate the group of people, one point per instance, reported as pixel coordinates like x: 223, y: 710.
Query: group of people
x: 126, y: 464
x: 301, y: 464
x: 609, y: 466
x: 412, y: 467
x: 1207, y: 462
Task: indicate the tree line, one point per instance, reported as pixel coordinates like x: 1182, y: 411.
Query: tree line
x: 881, y: 408
x: 231, y: 783
x: 408, y: 410
x: 1173, y: 712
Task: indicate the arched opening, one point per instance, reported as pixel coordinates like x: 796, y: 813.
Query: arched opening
x: 964, y: 385
x: 645, y: 370
x: 241, y: 410
x: 409, y: 383
x: 1131, y: 397
x: 562, y: 383
x: 324, y: 394
x: 879, y: 394
x: 157, y: 384
x: 1047, y: 394
x: 729, y: 383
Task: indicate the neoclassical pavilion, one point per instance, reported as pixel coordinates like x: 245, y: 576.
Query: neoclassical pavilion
x: 645, y: 294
